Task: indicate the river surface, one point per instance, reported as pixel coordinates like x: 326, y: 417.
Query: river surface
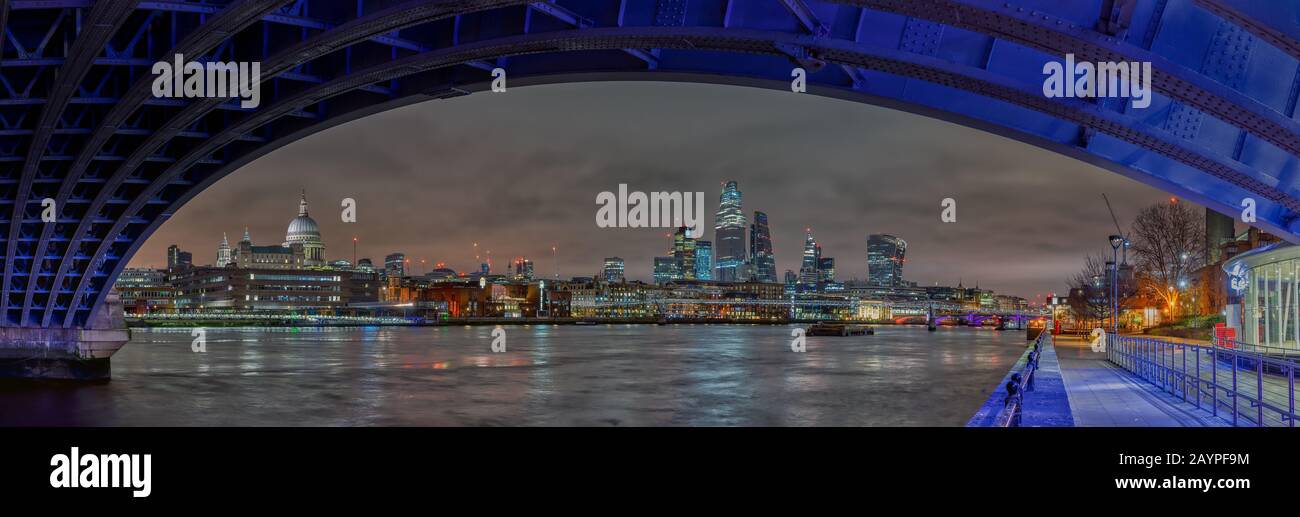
x: 604, y: 375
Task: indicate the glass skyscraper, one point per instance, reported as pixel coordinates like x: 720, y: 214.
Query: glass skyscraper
x: 665, y: 269
x: 704, y: 260
x: 760, y: 249
x: 811, y: 261
x: 730, y: 226
x: 885, y: 257
x: 684, y: 254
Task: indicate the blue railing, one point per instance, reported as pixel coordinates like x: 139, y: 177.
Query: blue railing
x: 1242, y: 383
x: 1020, y: 383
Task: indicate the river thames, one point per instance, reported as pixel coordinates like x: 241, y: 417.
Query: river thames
x: 604, y: 375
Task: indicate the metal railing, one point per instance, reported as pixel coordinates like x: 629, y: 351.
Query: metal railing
x: 1020, y: 383
x: 1271, y: 351
x: 1240, y: 382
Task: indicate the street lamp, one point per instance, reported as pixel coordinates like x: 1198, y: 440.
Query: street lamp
x: 1115, y: 242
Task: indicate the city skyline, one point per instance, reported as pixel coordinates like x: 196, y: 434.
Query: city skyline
x: 422, y: 190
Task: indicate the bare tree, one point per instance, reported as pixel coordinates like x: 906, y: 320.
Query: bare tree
x: 1088, y: 295
x: 1169, y: 241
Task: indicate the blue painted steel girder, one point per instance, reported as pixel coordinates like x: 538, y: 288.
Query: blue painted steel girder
x: 1221, y: 127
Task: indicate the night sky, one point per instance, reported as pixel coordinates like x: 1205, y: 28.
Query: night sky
x: 519, y: 171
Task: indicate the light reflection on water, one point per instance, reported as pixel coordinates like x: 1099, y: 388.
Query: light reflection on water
x: 549, y: 375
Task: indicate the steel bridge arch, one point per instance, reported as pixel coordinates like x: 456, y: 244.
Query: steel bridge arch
x: 119, y: 162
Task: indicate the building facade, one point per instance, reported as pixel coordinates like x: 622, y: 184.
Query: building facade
x: 613, y: 270
x: 760, y: 249
x: 684, y: 254
x: 395, y: 265
x: 885, y: 257
x: 703, y: 260
x: 729, y: 230
x: 145, y: 291
x: 211, y: 289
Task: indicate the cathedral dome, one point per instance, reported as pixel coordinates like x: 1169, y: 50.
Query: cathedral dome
x: 303, y: 230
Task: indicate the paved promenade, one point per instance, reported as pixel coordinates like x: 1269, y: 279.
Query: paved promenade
x: 1104, y: 395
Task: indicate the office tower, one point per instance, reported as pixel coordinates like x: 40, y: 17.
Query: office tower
x: 791, y: 278
x: 665, y: 269
x: 684, y: 254
x: 703, y: 260
x: 523, y: 269
x: 395, y: 265
x: 730, y: 226
x: 760, y: 249
x: 1219, y: 229
x: 178, y: 260
x: 826, y: 270
x: 811, y: 255
x: 613, y: 270
x: 885, y: 258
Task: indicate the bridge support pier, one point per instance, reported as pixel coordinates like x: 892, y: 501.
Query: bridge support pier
x: 79, y: 354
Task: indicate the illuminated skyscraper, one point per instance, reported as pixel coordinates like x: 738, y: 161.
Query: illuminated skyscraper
x: 826, y: 269
x: 665, y: 269
x: 523, y: 269
x: 760, y: 249
x: 885, y: 258
x: 730, y: 226
x: 178, y: 260
x: 613, y: 270
x: 811, y: 256
x: 704, y: 260
x: 684, y: 254
x: 395, y: 265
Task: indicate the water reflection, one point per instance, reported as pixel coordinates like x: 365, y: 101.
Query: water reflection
x: 549, y: 375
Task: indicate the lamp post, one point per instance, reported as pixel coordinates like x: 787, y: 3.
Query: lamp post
x: 1115, y: 242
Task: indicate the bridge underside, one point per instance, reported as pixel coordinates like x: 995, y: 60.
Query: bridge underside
x: 79, y: 124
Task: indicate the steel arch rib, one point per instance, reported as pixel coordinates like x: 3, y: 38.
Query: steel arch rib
x: 4, y: 18
x: 390, y: 19
x: 229, y: 21
x: 1259, y: 28
x: 102, y: 22
x: 734, y: 40
x: 1041, y: 31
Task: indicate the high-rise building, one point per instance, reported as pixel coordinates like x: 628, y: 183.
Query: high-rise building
x: 395, y: 265
x: 365, y: 265
x: 178, y: 260
x: 730, y: 226
x: 808, y: 266
x: 703, y: 260
x: 684, y: 254
x: 885, y: 258
x: 523, y: 269
x: 760, y: 249
x: 1219, y: 229
x: 303, y: 230
x: 224, y: 255
x: 665, y: 269
x: 613, y: 270
x: 791, y: 277
x: 825, y: 270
